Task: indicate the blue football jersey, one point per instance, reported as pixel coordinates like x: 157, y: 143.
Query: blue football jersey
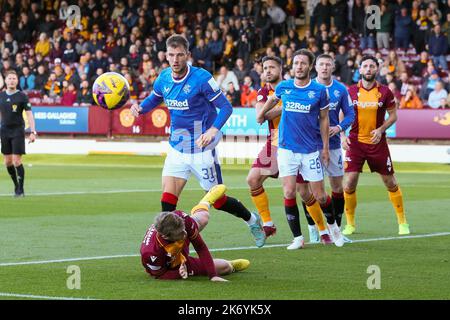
x: 339, y: 100
x: 300, y: 115
x: 189, y: 101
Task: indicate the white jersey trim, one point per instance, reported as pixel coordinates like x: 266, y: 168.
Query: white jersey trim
x: 216, y: 97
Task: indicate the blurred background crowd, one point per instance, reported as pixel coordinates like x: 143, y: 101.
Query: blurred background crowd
x: 58, y: 61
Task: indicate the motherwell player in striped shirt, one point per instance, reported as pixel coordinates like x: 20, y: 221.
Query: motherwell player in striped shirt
x: 266, y: 164
x: 367, y: 142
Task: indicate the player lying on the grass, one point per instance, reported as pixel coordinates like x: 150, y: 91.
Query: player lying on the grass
x: 165, y: 248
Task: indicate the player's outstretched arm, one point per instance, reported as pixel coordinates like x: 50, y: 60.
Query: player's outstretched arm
x: 149, y: 103
x: 268, y: 105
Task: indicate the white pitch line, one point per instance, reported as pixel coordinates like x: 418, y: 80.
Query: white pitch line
x: 30, y: 296
x: 68, y: 193
x: 43, y: 194
x: 8, y: 264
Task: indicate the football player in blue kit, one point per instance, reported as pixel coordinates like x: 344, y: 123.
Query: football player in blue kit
x: 339, y: 102
x: 304, y: 113
x: 192, y: 96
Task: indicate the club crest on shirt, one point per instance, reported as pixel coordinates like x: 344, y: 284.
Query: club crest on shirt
x: 336, y: 93
x: 311, y: 94
x: 14, y: 107
x: 187, y: 88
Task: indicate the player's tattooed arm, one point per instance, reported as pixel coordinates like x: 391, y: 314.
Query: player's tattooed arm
x: 270, y: 103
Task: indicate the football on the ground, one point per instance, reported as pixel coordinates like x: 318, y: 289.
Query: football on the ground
x: 111, y: 90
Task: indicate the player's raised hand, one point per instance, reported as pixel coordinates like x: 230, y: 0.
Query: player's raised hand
x: 207, y: 137
x: 334, y: 130
x: 218, y: 279
x: 325, y: 157
x: 183, y: 271
x: 135, y: 110
x: 376, y: 135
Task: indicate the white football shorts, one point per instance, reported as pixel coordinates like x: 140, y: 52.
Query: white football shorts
x: 308, y: 165
x: 204, y: 165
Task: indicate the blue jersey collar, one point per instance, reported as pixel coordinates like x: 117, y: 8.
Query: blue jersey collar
x: 302, y: 87
x: 182, y: 79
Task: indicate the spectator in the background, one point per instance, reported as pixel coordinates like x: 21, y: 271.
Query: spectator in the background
x: 233, y: 95
x: 397, y: 96
x: 56, y: 51
x: 2, y: 82
x: 402, y: 32
x: 240, y: 70
x: 340, y: 14
x: 133, y: 86
x: 43, y: 46
x: 358, y: 14
x: 385, y: 30
x: 420, y: 65
x: 52, y: 88
x: 262, y: 27
x: 340, y: 59
x: 446, y: 29
x: 347, y: 72
x: 429, y: 84
x: 229, y: 50
x: 40, y: 79
x: 71, y: 76
x: 84, y: 95
x: 215, y: 46
x: 437, y: 47
x: 367, y: 39
x: 27, y: 79
x: 249, y: 94
x: 411, y: 100
x: 69, y: 94
x: 395, y: 65
x: 48, y: 25
x: 438, y: 97
x: 201, y: 55
x: 403, y: 83
x: 291, y: 11
x: 99, y: 61
x: 134, y: 58
x: 225, y: 77
x: 9, y: 43
x: 69, y: 54
x: 277, y: 16
x: 423, y: 27
x: 256, y: 73
x: 20, y: 62
x: 322, y: 13
x: 244, y: 48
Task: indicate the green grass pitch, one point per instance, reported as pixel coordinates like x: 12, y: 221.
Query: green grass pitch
x: 100, y: 206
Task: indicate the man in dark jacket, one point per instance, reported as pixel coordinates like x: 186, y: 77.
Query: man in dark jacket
x: 437, y: 47
x: 403, y: 24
